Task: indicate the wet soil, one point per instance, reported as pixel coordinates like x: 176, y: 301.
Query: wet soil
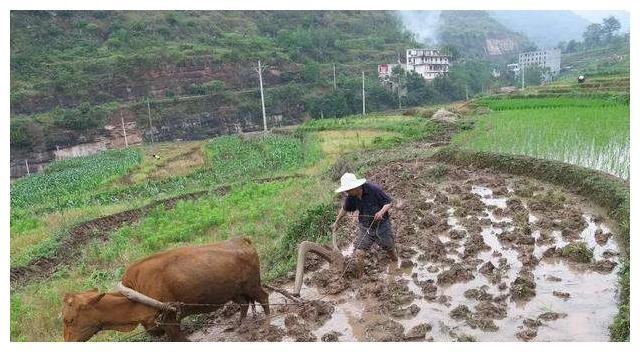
x: 481, y: 259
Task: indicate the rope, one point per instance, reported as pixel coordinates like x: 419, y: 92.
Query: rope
x: 176, y: 306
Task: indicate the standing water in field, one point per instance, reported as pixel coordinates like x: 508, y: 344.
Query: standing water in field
x: 483, y: 257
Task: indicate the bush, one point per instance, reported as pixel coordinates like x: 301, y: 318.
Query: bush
x: 82, y: 118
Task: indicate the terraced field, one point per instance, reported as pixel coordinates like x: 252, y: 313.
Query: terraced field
x: 488, y: 252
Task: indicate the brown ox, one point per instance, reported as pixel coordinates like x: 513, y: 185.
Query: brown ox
x: 211, y: 274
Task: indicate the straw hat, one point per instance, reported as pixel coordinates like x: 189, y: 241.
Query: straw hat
x: 349, y: 181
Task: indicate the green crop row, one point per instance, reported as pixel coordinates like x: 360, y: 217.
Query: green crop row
x: 67, y: 178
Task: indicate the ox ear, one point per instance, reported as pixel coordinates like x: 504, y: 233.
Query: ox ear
x: 95, y: 299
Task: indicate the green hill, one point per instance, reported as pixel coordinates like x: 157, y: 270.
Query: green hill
x: 74, y: 72
x: 476, y: 33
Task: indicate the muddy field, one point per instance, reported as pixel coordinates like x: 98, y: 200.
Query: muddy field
x: 483, y: 257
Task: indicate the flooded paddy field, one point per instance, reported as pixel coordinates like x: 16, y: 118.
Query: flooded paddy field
x: 483, y: 257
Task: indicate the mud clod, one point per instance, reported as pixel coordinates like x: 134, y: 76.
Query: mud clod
x: 457, y: 273
x: 604, y: 266
x: 383, y: 331
x: 418, y: 332
x: 331, y: 336
x: 577, y: 252
x: 486, y: 309
x: 527, y: 334
x: 551, y: 316
x: 553, y: 278
x: 601, y: 237
x: 460, y: 312
x: 524, y: 286
x: 563, y: 295
x: 532, y: 323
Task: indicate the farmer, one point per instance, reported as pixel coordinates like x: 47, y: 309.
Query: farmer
x: 373, y: 217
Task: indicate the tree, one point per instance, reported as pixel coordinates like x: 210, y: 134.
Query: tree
x: 311, y: 71
x: 417, y: 91
x: 610, y: 26
x: 593, y: 34
x: 572, y: 46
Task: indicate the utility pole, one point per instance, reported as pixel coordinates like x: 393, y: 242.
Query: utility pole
x: 150, y: 125
x: 522, y: 73
x: 363, y: 98
x: 26, y: 162
x: 334, y: 76
x: 124, y: 130
x: 264, y: 114
x: 466, y: 91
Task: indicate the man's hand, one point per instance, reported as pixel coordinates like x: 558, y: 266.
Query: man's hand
x: 380, y: 214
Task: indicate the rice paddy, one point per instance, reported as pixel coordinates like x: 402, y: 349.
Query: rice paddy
x: 586, y: 133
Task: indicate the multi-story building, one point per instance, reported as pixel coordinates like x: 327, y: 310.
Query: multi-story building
x: 543, y: 58
x: 429, y: 63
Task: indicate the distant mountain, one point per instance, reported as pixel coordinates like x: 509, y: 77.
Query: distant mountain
x: 478, y: 33
x: 544, y: 28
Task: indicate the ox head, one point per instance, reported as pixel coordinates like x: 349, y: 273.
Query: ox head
x: 81, y: 318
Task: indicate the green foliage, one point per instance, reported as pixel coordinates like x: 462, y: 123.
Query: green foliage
x: 64, y: 179
x: 214, y: 86
x: 314, y: 226
x: 82, y: 118
x: 24, y: 132
x: 233, y: 157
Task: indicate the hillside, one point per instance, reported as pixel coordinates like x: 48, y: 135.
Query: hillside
x: 76, y: 74
x: 544, y: 28
x: 476, y: 33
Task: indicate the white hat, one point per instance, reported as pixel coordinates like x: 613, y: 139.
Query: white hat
x: 349, y: 181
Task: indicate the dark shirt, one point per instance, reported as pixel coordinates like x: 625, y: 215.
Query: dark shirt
x: 372, y: 200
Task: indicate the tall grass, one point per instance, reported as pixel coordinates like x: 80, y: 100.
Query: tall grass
x: 594, y: 137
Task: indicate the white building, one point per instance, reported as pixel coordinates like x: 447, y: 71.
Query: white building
x: 429, y: 63
x: 544, y: 58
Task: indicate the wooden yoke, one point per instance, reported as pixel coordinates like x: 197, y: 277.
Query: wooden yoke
x: 333, y: 256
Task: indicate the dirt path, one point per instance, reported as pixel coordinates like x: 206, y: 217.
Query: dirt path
x: 484, y: 257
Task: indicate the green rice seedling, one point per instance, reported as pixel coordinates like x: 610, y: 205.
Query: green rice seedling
x: 593, y: 137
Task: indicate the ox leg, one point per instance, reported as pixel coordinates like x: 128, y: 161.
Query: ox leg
x: 333, y: 257
x: 175, y: 333
x: 263, y: 299
x: 171, y: 326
